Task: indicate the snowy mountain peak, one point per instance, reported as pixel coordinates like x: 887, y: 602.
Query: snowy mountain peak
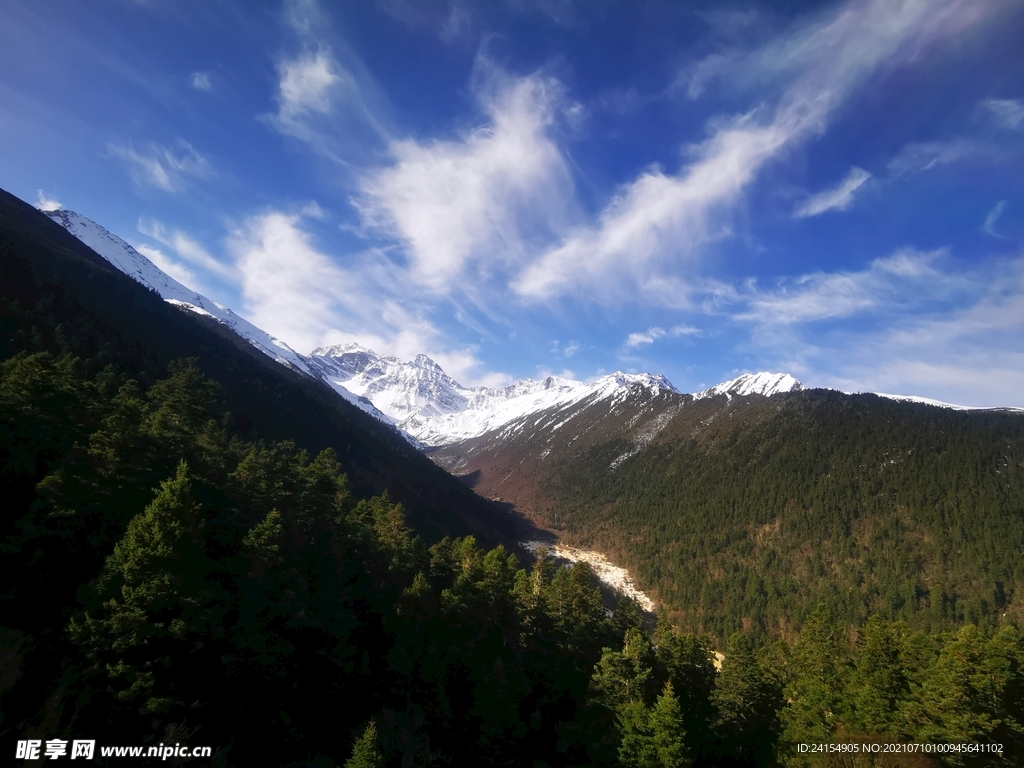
x: 436, y: 409
x: 762, y: 383
x: 342, y: 350
x: 422, y: 361
x: 655, y: 382
x: 428, y: 405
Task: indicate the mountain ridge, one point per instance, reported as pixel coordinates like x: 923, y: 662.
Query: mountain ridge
x: 128, y: 260
x: 417, y: 398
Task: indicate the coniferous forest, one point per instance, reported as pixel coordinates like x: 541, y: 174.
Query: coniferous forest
x: 189, y: 557
x: 876, y: 508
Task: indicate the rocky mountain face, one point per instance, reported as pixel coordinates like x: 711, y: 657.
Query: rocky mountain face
x: 435, y: 409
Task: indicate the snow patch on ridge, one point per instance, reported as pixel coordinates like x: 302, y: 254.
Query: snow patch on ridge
x: 941, y: 404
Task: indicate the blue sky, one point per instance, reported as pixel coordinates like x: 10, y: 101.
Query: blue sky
x: 834, y: 190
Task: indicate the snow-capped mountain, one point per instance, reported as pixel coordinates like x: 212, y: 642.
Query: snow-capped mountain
x: 766, y: 384
x: 437, y: 410
x: 417, y: 397
x: 123, y: 256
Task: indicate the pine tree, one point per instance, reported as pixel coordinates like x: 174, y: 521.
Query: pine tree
x: 816, y: 692
x: 879, y: 681
x: 636, y: 741
x: 366, y: 752
x: 667, y: 731
x: 624, y: 677
x: 158, y: 600
x: 748, y: 703
x: 262, y: 543
x: 685, y: 661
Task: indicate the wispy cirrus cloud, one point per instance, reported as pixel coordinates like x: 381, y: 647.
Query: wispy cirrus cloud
x: 187, y: 248
x: 989, y: 227
x: 324, y: 96
x: 913, y: 322
x: 187, y: 277
x: 201, y: 81
x: 652, y: 334
x: 167, y: 168
x: 306, y: 86
x: 892, y: 283
x: 971, y: 355
x: 296, y: 291
x: 838, y: 198
x: 1008, y: 113
x: 661, y: 220
x: 923, y: 156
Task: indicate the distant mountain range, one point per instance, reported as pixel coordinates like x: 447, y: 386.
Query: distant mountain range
x: 416, y: 397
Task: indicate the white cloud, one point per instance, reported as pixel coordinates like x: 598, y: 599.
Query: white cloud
x: 571, y: 348
x: 288, y: 287
x: 694, y: 78
x: 306, y: 84
x: 993, y: 216
x: 325, y: 97
x: 923, y: 156
x: 201, y: 81
x: 923, y: 327
x: 896, y: 281
x: 304, y: 16
x: 655, y: 217
x: 301, y: 295
x: 46, y: 203
x: 1009, y: 113
x: 971, y: 356
x: 644, y: 337
x: 166, y: 168
x: 659, y: 221
x: 543, y: 372
x: 313, y: 210
x: 654, y: 333
x: 474, y: 201
x: 837, y: 198
x: 187, y: 248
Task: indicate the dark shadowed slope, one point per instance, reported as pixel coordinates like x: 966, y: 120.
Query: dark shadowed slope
x: 102, y: 312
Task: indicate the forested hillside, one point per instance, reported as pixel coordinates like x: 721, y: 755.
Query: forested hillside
x: 747, y: 513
